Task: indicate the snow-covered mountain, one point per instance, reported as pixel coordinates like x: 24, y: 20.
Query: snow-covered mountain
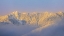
x: 56, y: 29
x: 32, y: 24
x: 34, y: 18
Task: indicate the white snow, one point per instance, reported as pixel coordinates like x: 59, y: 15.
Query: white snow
x: 35, y: 24
x: 56, y: 29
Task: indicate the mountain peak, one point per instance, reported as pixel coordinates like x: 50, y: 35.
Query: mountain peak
x: 33, y: 18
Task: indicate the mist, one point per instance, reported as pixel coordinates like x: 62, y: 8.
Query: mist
x: 15, y: 30
x: 56, y: 29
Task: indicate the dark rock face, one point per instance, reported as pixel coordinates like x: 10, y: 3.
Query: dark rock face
x: 14, y: 21
x: 23, y: 22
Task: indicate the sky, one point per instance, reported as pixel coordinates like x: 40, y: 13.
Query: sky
x: 8, y: 6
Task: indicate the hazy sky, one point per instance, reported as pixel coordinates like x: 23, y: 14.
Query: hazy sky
x: 8, y: 6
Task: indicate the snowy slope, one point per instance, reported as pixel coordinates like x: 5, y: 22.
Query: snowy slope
x: 32, y: 24
x: 40, y: 19
x: 56, y: 29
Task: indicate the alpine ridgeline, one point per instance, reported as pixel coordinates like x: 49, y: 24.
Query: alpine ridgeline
x: 34, y: 18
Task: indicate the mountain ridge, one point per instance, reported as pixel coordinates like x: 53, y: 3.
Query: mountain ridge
x: 32, y: 18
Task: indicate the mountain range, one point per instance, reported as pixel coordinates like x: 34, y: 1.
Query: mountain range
x: 32, y: 24
x: 34, y: 18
